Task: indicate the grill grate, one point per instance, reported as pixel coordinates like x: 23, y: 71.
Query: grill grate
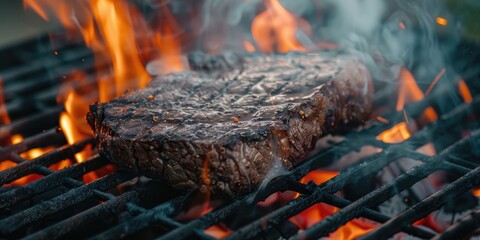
x: 61, y: 205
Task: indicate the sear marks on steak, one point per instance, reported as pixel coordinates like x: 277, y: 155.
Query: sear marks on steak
x: 222, y: 125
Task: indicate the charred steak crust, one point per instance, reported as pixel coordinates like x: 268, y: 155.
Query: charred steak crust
x: 222, y: 128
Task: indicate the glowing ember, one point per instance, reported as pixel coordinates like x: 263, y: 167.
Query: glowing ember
x: 353, y: 230
x: 197, y: 210
x: 317, y: 212
x: 476, y: 192
x: 441, y: 21
x: 383, y: 120
x: 275, y: 29
x: 464, y: 91
x: 248, y: 46
x: 396, y: 134
x: 218, y: 231
x: 318, y: 176
x: 314, y: 214
x: 430, y: 114
x: 430, y: 222
x: 435, y: 81
x: 28, y: 155
x: 16, y: 139
x: 427, y: 149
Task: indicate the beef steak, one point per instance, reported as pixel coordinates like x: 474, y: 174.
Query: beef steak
x: 223, y: 125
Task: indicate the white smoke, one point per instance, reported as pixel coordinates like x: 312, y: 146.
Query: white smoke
x: 356, y: 16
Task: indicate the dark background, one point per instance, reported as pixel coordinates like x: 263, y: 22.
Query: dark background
x: 18, y: 24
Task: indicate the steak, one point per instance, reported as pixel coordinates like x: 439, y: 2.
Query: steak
x: 225, y: 123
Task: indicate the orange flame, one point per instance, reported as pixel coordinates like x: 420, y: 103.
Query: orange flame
x: 441, y: 21
x: 166, y: 42
x: 202, y: 204
x: 316, y: 213
x: 63, y: 9
x: 476, y: 192
x: 275, y: 29
x: 409, y: 92
x: 396, y: 134
x: 28, y: 155
x: 16, y: 139
x: 116, y: 30
x: 114, y: 23
x: 464, y: 91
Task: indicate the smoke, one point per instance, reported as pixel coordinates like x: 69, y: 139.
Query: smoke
x: 355, y: 16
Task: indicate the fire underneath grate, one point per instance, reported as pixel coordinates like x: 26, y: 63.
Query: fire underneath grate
x: 59, y: 204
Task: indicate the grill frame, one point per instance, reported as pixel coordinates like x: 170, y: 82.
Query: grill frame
x: 141, y: 218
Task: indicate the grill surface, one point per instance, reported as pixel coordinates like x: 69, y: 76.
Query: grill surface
x: 123, y: 205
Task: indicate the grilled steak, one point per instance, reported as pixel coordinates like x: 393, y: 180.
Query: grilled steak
x: 224, y: 124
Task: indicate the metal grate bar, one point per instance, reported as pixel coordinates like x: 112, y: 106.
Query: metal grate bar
x: 428, y: 205
x: 463, y: 229
x: 159, y: 214
x: 72, y: 197
x: 376, y: 216
x: 20, y: 193
x: 27, y: 167
x: 47, y: 70
x: 108, y: 208
x: 352, y: 174
x: 406, y: 180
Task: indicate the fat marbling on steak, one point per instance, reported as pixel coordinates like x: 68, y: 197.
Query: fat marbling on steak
x: 222, y: 125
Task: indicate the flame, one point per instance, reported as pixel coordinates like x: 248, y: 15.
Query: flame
x: 28, y: 155
x: 73, y: 135
x: 202, y: 202
x: 115, y: 30
x: 396, y: 134
x: 275, y: 29
x: 441, y: 21
x: 409, y: 92
x: 114, y: 23
x: 63, y: 9
x: 166, y: 42
x: 317, y: 212
x: 464, y: 91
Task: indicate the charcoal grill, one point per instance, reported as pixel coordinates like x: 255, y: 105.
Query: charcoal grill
x: 124, y: 205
